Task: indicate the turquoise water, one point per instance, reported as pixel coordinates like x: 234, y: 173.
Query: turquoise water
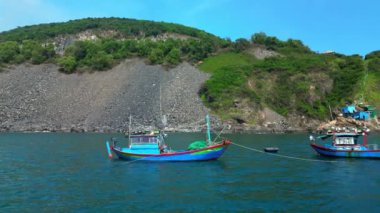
x: 52, y: 172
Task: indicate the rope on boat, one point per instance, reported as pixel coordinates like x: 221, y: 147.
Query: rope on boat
x: 219, y: 134
x: 284, y: 156
x: 132, y: 161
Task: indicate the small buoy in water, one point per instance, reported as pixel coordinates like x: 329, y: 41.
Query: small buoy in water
x: 271, y: 149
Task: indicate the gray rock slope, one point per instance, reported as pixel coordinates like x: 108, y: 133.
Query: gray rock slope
x: 38, y: 98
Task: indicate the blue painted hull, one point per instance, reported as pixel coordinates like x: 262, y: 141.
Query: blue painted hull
x: 208, y: 153
x: 346, y: 153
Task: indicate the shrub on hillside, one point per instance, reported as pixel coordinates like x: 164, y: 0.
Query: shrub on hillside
x: 241, y: 44
x: 374, y: 54
x: 156, y: 56
x: 374, y: 65
x: 67, y: 64
x: 173, y: 57
x: 101, y: 61
x: 8, y: 51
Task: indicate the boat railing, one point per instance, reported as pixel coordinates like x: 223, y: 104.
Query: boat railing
x: 372, y: 146
x: 114, y: 141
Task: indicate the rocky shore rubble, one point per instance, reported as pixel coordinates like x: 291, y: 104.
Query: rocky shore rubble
x: 35, y: 98
x: 341, y: 121
x: 39, y: 98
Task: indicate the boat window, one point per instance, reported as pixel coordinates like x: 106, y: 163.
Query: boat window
x: 143, y: 139
x: 345, y: 141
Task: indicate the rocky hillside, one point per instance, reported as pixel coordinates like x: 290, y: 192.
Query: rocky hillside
x: 302, y: 86
x: 91, y: 74
x: 39, y: 97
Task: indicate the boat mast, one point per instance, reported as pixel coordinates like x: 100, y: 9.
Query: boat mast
x: 129, y: 129
x: 160, y: 104
x: 164, y: 120
x: 208, y: 129
x: 334, y: 137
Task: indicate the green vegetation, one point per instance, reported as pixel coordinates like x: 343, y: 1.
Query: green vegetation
x: 298, y: 81
x: 294, y: 80
x: 160, y: 43
x: 229, y: 73
x: 103, y: 54
x: 118, y: 27
x: 373, y: 60
x: 371, y: 90
x: 28, y: 51
x: 290, y: 47
x: 226, y: 59
x: 67, y: 64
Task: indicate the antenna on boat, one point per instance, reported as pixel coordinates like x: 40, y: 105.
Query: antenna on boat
x: 160, y: 103
x: 129, y: 129
x: 163, y: 118
x: 208, y: 129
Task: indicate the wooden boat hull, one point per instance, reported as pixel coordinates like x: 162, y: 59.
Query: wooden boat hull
x: 346, y: 153
x: 208, y: 153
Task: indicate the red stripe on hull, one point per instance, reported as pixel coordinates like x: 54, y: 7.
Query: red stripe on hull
x: 333, y: 150
x: 225, y: 143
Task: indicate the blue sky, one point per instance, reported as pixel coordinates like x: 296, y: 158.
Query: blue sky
x: 345, y: 26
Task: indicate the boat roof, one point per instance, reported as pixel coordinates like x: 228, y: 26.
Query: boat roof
x: 347, y: 134
x: 340, y: 134
x: 145, y: 134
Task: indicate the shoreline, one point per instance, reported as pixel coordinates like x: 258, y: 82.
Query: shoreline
x: 233, y: 131
x: 171, y: 131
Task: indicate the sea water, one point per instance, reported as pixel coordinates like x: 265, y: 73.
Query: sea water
x: 59, y: 172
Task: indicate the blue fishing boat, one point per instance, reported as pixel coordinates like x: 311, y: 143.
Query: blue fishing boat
x: 345, y: 143
x: 150, y: 146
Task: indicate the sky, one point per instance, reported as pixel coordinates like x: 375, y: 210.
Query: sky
x: 344, y: 26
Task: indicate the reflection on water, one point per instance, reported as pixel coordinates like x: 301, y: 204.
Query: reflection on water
x: 65, y: 172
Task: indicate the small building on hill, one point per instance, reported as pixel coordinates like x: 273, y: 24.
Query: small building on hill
x: 372, y: 110
x: 348, y: 110
x: 361, y: 115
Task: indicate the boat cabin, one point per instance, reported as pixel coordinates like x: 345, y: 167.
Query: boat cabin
x: 146, y: 143
x: 345, y: 139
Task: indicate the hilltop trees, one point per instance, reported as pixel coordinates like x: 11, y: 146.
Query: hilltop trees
x: 34, y: 52
x: 240, y: 44
x: 124, y: 38
x: 116, y: 27
x: 115, y: 39
x: 373, y: 59
x: 270, y: 42
x: 102, y: 54
x: 8, y: 51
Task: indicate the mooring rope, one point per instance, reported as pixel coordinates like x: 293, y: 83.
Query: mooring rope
x: 219, y: 134
x: 133, y: 161
x: 284, y: 156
